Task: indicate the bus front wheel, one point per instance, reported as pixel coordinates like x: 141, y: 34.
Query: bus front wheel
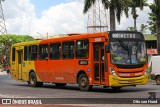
x: 84, y: 82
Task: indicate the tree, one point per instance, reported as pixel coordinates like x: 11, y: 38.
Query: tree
x: 7, y: 40
x: 155, y: 8
x: 137, y: 4
x: 116, y: 7
x: 152, y: 23
x: 131, y: 29
x: 143, y: 28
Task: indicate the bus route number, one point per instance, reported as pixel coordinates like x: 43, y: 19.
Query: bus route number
x: 98, y: 39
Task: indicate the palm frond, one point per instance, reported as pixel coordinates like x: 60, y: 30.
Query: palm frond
x: 87, y: 5
x: 106, y: 3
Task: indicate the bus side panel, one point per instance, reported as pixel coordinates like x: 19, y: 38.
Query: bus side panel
x: 25, y: 72
x: 62, y: 71
x: 55, y: 69
x: 13, y: 69
x: 27, y: 66
x: 40, y: 70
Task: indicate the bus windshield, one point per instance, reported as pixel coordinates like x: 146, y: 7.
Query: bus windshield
x: 128, y: 52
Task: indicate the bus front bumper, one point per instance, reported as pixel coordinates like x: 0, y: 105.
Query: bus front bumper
x: 120, y: 82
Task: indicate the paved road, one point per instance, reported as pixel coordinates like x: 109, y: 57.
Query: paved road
x: 10, y: 88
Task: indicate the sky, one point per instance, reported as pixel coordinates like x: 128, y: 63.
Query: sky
x: 41, y: 5
x: 42, y: 17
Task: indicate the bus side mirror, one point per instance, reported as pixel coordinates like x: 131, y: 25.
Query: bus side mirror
x: 107, y: 48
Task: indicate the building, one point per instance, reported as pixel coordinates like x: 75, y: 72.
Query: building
x: 151, y: 44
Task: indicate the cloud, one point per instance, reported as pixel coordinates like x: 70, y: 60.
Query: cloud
x: 20, y: 18
x: 19, y: 15
x: 61, y: 19
x: 65, y: 18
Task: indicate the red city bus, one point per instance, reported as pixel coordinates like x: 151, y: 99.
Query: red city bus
x: 112, y: 59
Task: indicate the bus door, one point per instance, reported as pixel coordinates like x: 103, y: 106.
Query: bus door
x: 20, y: 57
x: 98, y: 57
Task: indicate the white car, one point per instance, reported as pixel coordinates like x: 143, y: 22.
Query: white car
x: 155, y: 69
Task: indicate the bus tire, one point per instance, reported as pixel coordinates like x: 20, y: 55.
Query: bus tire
x: 60, y: 84
x: 28, y: 82
x: 33, y: 80
x: 83, y: 82
x: 158, y: 80
x: 40, y: 84
x: 116, y: 88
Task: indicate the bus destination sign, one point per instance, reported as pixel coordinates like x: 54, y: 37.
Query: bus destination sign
x: 126, y: 35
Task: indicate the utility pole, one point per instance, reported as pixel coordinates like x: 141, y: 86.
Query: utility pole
x: 3, y: 29
x: 97, y: 18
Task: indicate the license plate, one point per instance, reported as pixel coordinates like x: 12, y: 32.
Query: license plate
x: 130, y: 81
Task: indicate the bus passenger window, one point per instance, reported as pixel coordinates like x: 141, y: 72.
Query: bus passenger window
x: 32, y: 52
x: 68, y: 50
x: 25, y: 53
x: 43, y: 52
x: 55, y: 50
x: 82, y: 49
x: 13, y: 54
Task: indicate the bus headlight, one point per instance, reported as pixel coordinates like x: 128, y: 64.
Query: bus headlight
x: 113, y: 72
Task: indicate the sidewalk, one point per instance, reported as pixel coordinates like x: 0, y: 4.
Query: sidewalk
x: 3, y: 73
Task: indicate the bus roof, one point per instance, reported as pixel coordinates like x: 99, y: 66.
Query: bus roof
x: 27, y: 43
x: 74, y: 37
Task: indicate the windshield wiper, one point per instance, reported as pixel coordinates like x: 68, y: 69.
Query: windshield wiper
x: 125, y: 47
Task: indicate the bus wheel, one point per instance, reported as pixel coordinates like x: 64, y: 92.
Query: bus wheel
x: 33, y: 80
x: 60, y: 84
x: 116, y: 88
x: 28, y: 82
x: 39, y: 84
x: 158, y: 80
x: 84, y: 82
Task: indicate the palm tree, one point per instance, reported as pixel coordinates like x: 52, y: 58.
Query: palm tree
x: 130, y: 28
x: 137, y: 4
x: 143, y: 28
x: 155, y: 8
x: 116, y: 7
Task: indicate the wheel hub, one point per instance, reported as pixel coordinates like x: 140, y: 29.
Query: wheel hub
x: 158, y: 80
x: 83, y: 82
x: 32, y: 79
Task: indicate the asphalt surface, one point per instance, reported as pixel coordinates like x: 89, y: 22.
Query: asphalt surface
x: 71, y: 94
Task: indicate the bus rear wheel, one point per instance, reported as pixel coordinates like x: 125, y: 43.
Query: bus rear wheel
x: 158, y: 80
x: 60, y: 84
x: 33, y: 80
x: 84, y: 82
x: 40, y: 84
